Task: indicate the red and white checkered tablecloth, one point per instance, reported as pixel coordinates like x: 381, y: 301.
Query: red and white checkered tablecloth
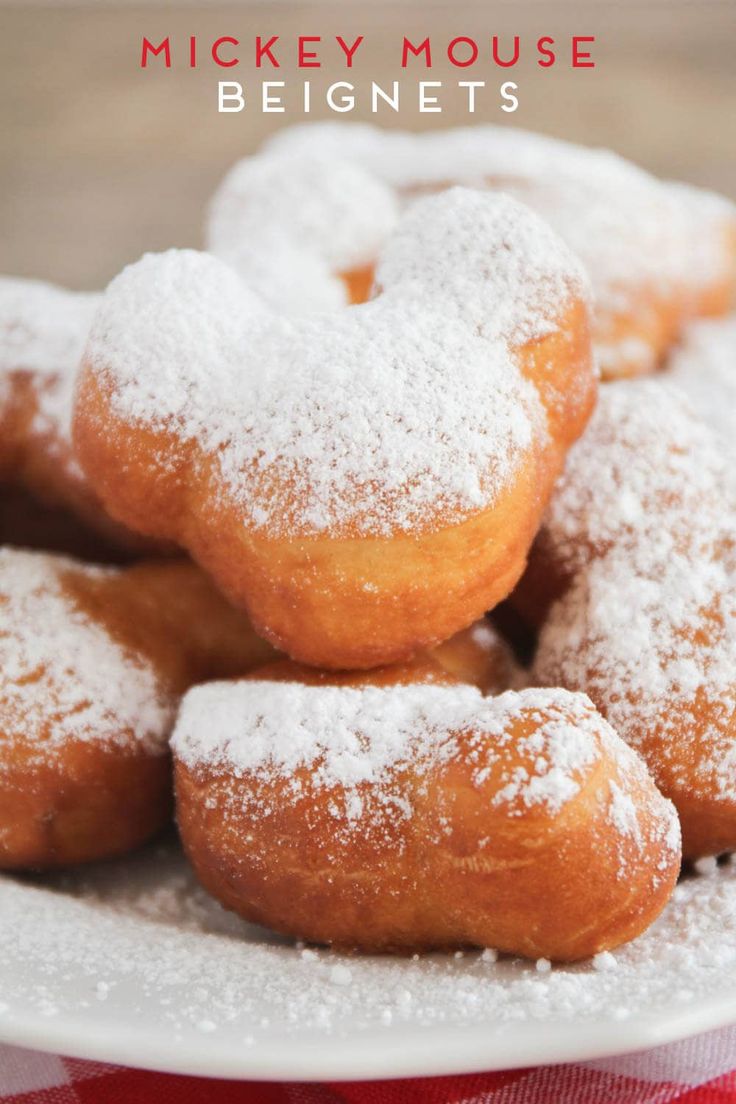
x: 698, y: 1071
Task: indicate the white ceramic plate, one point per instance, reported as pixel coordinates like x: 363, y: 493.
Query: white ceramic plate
x: 131, y: 962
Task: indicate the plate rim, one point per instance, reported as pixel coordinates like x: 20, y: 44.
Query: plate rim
x: 378, y: 1053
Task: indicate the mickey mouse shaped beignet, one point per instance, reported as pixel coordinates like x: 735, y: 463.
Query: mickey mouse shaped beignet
x: 364, y: 482
x: 309, y: 213
x: 385, y: 814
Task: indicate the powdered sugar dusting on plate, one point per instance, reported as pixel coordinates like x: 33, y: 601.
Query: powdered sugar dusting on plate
x: 385, y: 417
x: 63, y: 676
x: 138, y: 943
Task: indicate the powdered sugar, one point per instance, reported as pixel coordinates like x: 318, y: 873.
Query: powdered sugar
x: 63, y: 676
x: 625, y: 225
x: 348, y: 737
x: 42, y: 334
x: 42, y: 327
x: 704, y: 366
x: 484, y: 634
x: 500, y: 267
x: 170, y: 959
x: 294, y: 224
x: 623, y: 812
x: 561, y: 747
x: 373, y: 420
x: 648, y: 627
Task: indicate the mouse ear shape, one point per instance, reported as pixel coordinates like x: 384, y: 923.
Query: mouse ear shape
x: 170, y: 325
x: 166, y: 338
x: 487, y: 257
x: 270, y: 446
x: 294, y: 224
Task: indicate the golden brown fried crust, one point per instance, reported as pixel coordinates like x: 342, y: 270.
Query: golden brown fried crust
x: 478, y: 656
x: 359, y: 283
x: 420, y: 669
x: 174, y: 615
x: 98, y: 798
x: 628, y: 514
x: 96, y: 801
x: 460, y: 871
x: 42, y: 464
x: 307, y: 595
x: 707, y: 813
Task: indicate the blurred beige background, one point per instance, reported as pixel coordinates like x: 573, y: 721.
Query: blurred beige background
x: 100, y: 161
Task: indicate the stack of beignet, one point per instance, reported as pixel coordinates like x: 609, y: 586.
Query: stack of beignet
x: 358, y: 485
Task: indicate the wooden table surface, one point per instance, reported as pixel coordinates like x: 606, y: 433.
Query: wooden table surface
x: 100, y: 160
